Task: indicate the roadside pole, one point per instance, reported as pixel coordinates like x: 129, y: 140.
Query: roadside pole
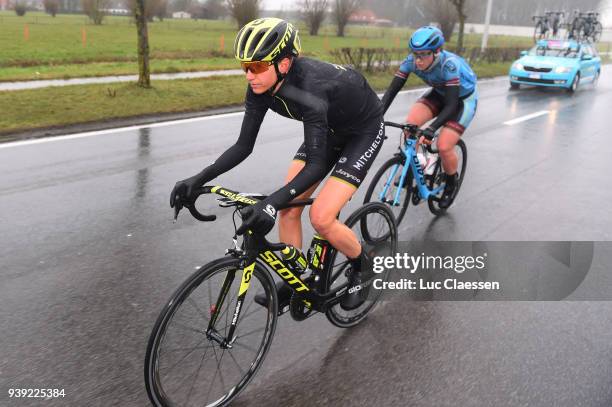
x: 485, y: 35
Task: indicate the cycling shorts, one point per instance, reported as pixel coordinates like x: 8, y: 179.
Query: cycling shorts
x: 351, y: 159
x: 462, y: 117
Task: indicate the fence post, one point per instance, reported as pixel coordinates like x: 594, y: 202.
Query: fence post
x: 26, y: 32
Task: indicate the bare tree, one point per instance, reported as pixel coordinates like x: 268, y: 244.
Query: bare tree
x: 94, y: 9
x: 161, y: 10
x: 443, y: 13
x: 51, y: 6
x: 461, y: 8
x: 153, y: 8
x: 144, y: 73
x: 180, y: 5
x: 20, y: 9
x: 243, y: 10
x: 342, y: 12
x: 314, y: 14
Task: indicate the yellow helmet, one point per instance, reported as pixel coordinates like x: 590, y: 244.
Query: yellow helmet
x: 266, y: 39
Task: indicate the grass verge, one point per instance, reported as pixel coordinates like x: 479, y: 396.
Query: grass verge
x: 69, y: 46
x: 61, y: 106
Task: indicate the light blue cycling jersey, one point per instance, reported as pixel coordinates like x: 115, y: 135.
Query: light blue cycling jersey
x: 448, y: 70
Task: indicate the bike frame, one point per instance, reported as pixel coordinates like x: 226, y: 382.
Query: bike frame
x: 258, y: 249
x: 410, y: 154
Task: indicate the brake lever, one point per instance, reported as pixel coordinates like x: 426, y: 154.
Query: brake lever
x: 178, y: 205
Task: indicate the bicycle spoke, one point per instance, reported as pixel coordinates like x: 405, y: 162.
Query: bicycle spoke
x: 242, y: 345
x: 243, y: 316
x: 183, y: 358
x: 213, y: 380
x: 196, y: 377
x: 184, y: 349
x: 237, y: 364
x: 210, y: 296
x: 195, y: 305
x: 188, y: 328
x: 220, y: 371
x: 251, y: 332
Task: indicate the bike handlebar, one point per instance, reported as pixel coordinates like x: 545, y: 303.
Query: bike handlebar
x: 413, y: 130
x: 227, y: 193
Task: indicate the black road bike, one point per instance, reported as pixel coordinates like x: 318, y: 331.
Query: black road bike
x: 211, y: 337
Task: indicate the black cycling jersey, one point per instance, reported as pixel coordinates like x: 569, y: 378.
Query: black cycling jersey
x: 331, y: 100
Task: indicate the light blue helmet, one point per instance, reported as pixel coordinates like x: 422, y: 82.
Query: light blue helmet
x: 426, y: 38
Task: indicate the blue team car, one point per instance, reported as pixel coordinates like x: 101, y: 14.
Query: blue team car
x: 556, y: 63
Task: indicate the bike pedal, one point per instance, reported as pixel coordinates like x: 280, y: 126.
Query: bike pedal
x: 283, y: 310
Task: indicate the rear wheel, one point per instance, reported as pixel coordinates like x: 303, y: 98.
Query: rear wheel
x: 597, y: 30
x: 380, y: 240
x: 438, y: 177
x: 539, y: 32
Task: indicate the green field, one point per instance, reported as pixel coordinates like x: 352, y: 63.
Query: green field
x: 60, y: 106
x: 55, y: 48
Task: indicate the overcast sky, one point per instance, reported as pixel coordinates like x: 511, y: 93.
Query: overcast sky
x: 292, y: 4
x: 278, y: 4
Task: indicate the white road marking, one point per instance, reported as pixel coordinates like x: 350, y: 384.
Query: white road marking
x: 168, y: 123
x: 525, y: 118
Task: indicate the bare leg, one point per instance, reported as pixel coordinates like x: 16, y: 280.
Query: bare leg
x: 332, y: 198
x: 290, y: 220
x: 447, y: 140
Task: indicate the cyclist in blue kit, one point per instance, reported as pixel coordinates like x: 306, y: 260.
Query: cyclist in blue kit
x: 452, y: 99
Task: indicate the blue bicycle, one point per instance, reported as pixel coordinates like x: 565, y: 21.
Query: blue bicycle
x: 395, y: 185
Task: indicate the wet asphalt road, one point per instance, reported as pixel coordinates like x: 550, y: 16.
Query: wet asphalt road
x: 89, y: 255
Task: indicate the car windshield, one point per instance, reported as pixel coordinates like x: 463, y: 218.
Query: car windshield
x: 555, y: 49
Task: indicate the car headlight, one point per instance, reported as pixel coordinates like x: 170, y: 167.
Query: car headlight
x: 563, y: 69
x: 518, y: 65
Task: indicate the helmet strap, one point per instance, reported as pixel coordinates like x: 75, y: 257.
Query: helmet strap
x: 279, y: 75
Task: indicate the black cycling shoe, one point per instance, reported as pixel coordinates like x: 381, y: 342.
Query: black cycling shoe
x: 360, y: 273
x: 283, y: 292
x: 449, y: 191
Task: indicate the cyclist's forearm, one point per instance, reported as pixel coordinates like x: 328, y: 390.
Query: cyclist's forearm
x: 312, y: 172
x: 396, y: 85
x: 451, y: 104
x: 228, y: 160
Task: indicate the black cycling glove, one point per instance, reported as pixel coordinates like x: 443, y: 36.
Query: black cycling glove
x: 428, y: 133
x: 259, y: 218
x: 186, y: 190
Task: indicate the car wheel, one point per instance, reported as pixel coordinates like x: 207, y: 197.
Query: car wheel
x: 515, y: 86
x: 596, y: 78
x: 574, y: 86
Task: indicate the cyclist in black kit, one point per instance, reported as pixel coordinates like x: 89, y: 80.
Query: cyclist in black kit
x: 343, y: 130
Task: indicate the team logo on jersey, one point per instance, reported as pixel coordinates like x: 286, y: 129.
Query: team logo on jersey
x: 450, y: 67
x: 342, y: 160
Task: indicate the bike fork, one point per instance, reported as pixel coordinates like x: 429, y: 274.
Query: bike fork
x: 211, y: 332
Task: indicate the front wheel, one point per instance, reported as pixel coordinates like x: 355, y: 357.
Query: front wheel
x: 515, y: 86
x: 385, y: 186
x: 574, y: 86
x: 184, y: 364
x: 439, y: 176
x: 375, y: 227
